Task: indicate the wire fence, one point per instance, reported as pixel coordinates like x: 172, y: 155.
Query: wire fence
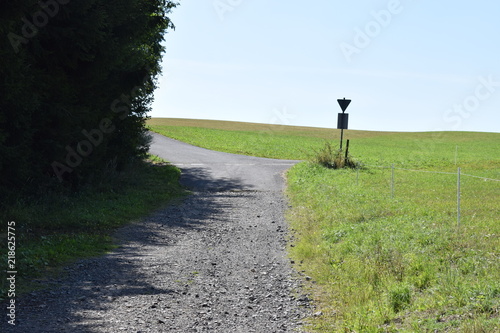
x: 459, y: 180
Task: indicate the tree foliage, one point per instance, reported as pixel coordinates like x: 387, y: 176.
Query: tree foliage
x: 76, y: 83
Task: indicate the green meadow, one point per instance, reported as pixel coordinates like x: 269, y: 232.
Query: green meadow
x: 385, y: 250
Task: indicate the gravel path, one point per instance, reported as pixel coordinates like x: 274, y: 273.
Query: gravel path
x: 213, y: 262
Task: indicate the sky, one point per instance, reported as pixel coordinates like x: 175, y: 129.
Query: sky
x: 406, y: 65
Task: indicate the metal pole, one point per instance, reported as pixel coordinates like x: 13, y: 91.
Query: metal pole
x: 458, y: 198
x: 341, y: 137
x: 392, y: 181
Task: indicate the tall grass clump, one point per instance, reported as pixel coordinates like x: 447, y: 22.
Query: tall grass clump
x: 332, y: 158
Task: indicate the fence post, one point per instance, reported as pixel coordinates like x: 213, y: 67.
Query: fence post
x: 458, y: 197
x: 392, y: 181
x: 346, y: 150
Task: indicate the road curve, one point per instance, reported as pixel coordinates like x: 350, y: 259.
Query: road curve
x: 204, y: 169
x: 214, y: 262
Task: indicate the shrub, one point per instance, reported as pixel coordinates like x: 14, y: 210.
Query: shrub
x: 93, y: 62
x: 332, y: 158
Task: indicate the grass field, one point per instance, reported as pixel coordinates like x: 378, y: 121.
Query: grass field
x: 53, y: 229
x: 429, y: 149
x: 384, y: 259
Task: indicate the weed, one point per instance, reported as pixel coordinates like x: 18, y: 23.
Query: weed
x: 334, y: 158
x: 399, y: 297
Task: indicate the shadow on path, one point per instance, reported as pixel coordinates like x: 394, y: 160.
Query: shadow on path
x: 200, y: 179
x: 84, y: 298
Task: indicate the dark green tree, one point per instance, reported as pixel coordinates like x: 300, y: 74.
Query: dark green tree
x: 76, y: 83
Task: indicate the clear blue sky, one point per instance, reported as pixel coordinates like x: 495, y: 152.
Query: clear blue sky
x: 407, y: 65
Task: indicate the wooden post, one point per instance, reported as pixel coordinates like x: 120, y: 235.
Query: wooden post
x: 346, y: 150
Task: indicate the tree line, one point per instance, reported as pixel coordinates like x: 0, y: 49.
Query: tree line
x: 76, y: 83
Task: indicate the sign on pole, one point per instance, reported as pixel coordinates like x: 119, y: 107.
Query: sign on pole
x: 344, y: 103
x: 343, y: 119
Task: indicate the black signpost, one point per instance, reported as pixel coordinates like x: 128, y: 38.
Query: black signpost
x: 343, y: 120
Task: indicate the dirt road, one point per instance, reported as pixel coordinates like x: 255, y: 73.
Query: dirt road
x: 213, y: 262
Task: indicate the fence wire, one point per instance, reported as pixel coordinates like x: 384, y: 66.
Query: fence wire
x: 436, y: 172
x: 459, y: 175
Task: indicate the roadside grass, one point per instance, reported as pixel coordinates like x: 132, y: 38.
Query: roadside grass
x: 272, y: 141
x: 54, y: 229
x: 423, y: 149
x: 401, y: 264
x: 381, y: 263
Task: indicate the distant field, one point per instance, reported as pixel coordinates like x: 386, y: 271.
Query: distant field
x: 385, y: 258
x: 424, y: 149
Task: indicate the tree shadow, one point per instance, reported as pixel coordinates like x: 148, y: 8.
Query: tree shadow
x: 79, y: 301
x: 200, y: 179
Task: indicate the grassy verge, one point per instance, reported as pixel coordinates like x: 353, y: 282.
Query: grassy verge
x: 401, y: 264
x: 384, y: 263
x: 273, y: 141
x: 423, y: 150
x: 55, y: 229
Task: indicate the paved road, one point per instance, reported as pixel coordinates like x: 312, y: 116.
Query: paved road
x: 216, y: 171
x: 214, y: 262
